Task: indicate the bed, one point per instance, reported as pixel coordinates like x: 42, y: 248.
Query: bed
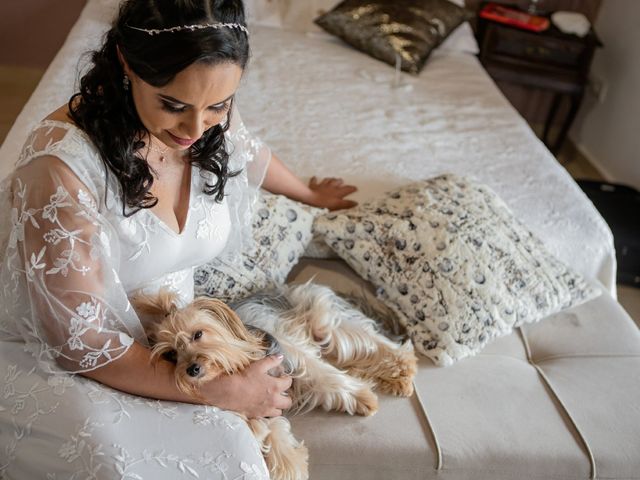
x: 556, y: 399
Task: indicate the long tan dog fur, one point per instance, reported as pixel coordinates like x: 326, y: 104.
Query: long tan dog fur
x: 337, y: 360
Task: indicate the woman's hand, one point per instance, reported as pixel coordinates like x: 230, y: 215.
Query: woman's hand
x: 326, y: 193
x: 252, y: 392
x: 330, y: 192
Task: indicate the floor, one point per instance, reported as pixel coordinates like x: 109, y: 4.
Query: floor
x: 17, y: 83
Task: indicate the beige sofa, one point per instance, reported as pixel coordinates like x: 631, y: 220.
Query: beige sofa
x: 555, y: 400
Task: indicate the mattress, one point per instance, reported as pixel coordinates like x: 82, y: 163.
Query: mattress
x: 553, y: 400
x: 354, y: 121
x: 351, y: 121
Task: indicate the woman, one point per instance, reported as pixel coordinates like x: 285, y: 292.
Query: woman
x: 147, y: 172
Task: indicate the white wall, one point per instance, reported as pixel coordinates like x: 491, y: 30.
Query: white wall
x: 608, y: 132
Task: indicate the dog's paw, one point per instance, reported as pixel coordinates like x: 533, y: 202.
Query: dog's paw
x: 401, y: 386
x: 397, y: 372
x: 366, y: 402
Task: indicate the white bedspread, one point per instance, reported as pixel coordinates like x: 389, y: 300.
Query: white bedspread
x: 328, y: 110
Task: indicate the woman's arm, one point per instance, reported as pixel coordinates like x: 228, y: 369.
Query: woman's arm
x: 327, y: 193
x: 252, y: 392
x: 80, y: 314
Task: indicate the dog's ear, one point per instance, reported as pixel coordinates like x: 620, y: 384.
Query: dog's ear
x: 161, y: 304
x: 223, y: 312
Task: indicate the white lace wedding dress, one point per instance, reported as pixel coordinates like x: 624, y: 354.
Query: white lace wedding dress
x: 70, y: 260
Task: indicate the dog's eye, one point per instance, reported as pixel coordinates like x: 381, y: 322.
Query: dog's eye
x: 197, y: 335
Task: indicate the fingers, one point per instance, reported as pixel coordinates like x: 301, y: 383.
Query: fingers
x: 328, y: 181
x: 282, y: 402
x: 333, y: 186
x: 332, y: 181
x: 270, y: 362
x: 347, y: 190
x: 342, y: 204
x: 330, y: 193
x: 278, y: 400
x: 284, y: 383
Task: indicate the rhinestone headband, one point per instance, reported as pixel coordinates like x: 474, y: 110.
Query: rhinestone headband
x: 191, y: 28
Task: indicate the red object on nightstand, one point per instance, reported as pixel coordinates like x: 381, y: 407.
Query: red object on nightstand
x: 516, y: 18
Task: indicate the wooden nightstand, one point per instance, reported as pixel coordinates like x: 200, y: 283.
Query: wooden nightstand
x: 549, y: 60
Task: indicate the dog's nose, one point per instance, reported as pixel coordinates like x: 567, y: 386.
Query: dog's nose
x: 193, y: 370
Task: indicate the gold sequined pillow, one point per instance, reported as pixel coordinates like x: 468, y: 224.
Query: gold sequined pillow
x: 404, y: 31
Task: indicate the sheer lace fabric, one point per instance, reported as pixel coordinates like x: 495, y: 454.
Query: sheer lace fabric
x: 64, y: 290
x: 71, y: 258
x: 70, y: 261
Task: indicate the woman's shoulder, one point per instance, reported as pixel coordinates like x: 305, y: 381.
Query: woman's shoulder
x: 58, y: 135
x: 61, y: 115
x: 57, y: 139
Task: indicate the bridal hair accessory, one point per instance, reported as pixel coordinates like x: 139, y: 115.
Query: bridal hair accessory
x: 191, y: 28
x: 126, y: 82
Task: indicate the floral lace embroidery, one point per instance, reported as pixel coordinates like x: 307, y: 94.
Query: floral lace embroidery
x: 46, y: 247
x: 207, y: 227
x: 91, y: 316
x: 88, y: 454
x: 28, y: 404
x: 125, y: 464
x: 140, y: 231
x: 31, y: 398
x: 211, y: 416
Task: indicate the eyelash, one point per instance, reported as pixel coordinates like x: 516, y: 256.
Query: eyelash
x: 171, y: 109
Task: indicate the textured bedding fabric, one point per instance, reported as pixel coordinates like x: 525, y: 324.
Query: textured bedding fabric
x: 350, y: 121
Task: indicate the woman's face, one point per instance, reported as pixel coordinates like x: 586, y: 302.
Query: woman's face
x: 197, y: 99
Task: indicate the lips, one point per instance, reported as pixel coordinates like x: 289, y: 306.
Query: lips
x: 185, y: 142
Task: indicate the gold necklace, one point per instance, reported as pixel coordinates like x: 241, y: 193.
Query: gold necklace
x: 159, y: 151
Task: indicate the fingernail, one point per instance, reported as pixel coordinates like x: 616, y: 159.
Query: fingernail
x: 280, y: 356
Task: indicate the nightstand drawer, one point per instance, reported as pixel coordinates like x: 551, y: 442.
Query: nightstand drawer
x: 531, y: 47
x: 551, y: 61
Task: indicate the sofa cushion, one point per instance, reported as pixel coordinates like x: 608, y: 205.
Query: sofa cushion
x: 281, y: 231
x: 492, y: 416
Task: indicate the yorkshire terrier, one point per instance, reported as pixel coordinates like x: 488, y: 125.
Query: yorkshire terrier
x: 335, y: 354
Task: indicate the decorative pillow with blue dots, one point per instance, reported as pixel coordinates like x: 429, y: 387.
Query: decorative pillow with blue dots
x: 281, y: 231
x: 448, y: 256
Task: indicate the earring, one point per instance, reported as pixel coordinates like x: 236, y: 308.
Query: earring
x: 126, y: 82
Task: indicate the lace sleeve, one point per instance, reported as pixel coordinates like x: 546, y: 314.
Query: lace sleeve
x: 250, y: 156
x: 247, y: 150
x: 61, y: 293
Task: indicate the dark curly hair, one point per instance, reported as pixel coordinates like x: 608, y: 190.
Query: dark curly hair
x: 105, y: 110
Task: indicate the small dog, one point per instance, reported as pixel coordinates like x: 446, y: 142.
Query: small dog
x: 335, y: 353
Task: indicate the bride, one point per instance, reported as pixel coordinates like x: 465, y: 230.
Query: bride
x: 147, y: 172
